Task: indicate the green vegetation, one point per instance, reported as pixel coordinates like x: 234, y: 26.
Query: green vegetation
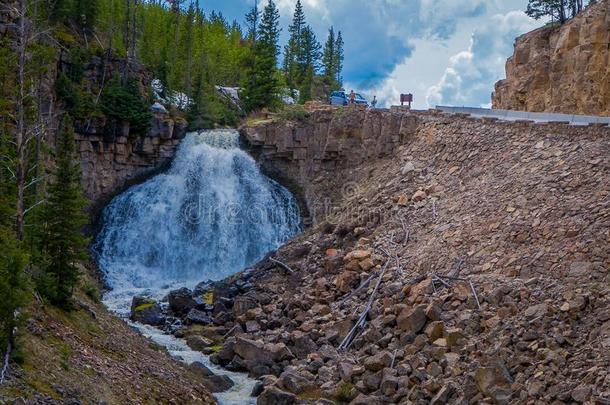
x: 345, y: 392
x: 262, y: 87
x: 558, y: 10
x: 60, y: 243
x: 144, y: 306
x: 123, y: 103
x: 294, y: 113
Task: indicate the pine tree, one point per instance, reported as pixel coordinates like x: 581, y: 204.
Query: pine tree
x: 309, y: 63
x: 252, y: 23
x: 293, y: 51
x: 60, y: 241
x: 339, y: 57
x: 328, y: 58
x: 261, y: 90
x: 80, y: 13
x: 559, y: 10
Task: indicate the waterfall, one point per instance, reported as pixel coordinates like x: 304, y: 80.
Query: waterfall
x: 210, y: 215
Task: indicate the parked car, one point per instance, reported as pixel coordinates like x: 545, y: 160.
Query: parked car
x: 342, y: 98
x: 338, y: 98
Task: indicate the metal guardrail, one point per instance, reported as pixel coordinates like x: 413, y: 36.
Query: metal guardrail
x: 509, y: 115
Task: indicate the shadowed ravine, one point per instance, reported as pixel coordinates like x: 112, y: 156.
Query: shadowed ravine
x: 211, y: 215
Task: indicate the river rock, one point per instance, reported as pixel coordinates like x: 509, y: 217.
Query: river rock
x: 198, y: 342
x: 198, y: 317
x: 275, y: 396
x: 181, y: 301
x: 257, y: 352
x: 219, y: 383
x: 146, y: 311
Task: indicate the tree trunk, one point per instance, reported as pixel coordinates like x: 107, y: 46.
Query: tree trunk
x: 20, y: 136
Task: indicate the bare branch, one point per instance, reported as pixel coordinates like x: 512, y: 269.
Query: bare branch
x: 33, y: 206
x: 34, y: 181
x: 283, y: 265
x: 13, y: 176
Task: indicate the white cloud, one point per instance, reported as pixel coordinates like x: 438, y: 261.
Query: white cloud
x: 470, y: 75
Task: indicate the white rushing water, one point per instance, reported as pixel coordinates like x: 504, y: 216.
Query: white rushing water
x: 211, y: 215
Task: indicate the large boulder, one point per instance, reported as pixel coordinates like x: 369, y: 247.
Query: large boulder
x: 264, y: 353
x: 215, y: 383
x: 181, y: 301
x: 147, y: 311
x: 295, y: 382
x: 379, y: 361
x: 275, y: 396
x: 196, y: 316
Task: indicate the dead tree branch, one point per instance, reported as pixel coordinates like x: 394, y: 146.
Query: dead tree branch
x: 282, y: 265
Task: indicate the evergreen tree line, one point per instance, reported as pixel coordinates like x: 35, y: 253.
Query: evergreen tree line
x: 559, y: 10
x: 306, y: 66
x: 191, y: 52
x: 41, y: 203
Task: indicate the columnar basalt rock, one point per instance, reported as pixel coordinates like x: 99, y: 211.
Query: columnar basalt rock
x: 108, y: 166
x: 303, y: 155
x: 562, y: 69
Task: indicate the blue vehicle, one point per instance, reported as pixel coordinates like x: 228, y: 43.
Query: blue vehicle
x: 341, y: 98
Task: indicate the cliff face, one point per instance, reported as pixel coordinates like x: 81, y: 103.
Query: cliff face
x: 304, y: 154
x: 113, y: 158
x: 562, y: 69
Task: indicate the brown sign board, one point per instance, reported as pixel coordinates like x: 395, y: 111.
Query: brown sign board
x: 406, y: 98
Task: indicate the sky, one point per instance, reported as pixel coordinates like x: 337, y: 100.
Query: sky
x: 445, y: 52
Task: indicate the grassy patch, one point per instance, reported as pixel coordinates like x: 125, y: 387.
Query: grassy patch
x: 144, y: 306
x: 294, y: 113
x: 155, y: 346
x: 208, y: 297
x: 345, y: 392
x: 91, y: 291
x: 65, y: 352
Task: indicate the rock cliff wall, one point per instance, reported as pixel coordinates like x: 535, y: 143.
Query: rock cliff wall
x: 303, y: 155
x: 112, y: 157
x: 561, y: 69
x: 109, y: 166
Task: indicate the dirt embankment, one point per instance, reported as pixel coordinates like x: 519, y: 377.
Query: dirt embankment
x: 90, y: 356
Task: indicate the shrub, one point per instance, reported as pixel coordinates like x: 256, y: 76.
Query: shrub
x: 294, y: 113
x: 125, y: 103
x: 92, y: 292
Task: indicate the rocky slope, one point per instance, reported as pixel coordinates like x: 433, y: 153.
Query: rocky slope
x: 473, y: 262
x: 90, y: 356
x: 561, y: 69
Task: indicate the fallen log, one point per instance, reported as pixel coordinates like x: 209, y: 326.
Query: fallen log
x: 282, y: 265
x: 361, y: 322
x: 7, y: 357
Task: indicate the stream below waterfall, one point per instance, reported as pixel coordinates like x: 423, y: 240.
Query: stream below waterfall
x: 209, y: 216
